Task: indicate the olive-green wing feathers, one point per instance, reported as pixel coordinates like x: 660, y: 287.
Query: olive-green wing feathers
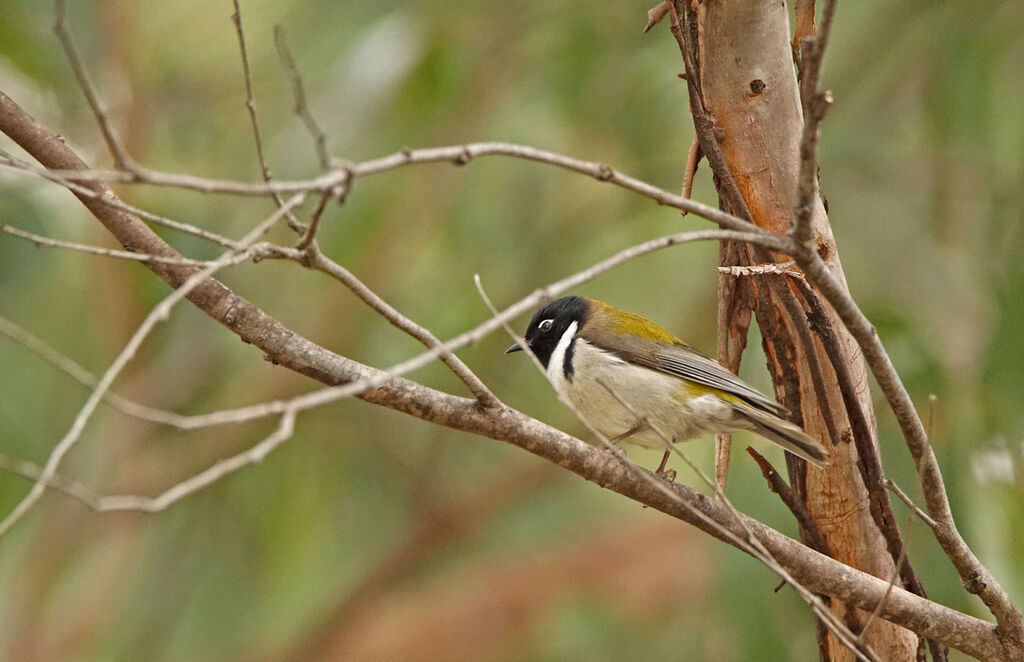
x: 682, y: 361
x: 687, y: 363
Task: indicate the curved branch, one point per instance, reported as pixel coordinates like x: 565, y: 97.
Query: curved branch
x: 456, y: 154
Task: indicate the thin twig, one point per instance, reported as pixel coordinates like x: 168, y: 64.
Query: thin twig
x: 319, y: 261
x: 8, y: 162
x: 299, y: 93
x: 789, y: 497
x: 339, y: 192
x: 68, y: 366
x: 893, y: 577
x: 314, y: 222
x: 34, y: 472
x: 49, y: 242
x: 170, y: 496
x: 891, y: 485
x: 250, y: 105
x: 158, y: 314
x: 121, y: 157
x: 250, y: 456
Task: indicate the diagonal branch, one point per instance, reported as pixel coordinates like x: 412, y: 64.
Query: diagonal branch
x: 320, y: 262
x: 975, y: 576
x: 17, y: 165
x: 121, y: 157
x: 157, y: 315
x: 68, y: 366
x: 250, y: 105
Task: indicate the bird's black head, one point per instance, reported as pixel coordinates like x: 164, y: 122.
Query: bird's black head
x: 549, y: 324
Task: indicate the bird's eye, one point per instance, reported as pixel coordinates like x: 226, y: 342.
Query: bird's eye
x: 546, y: 325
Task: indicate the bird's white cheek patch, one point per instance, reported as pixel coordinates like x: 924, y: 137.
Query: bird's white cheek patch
x: 556, y: 364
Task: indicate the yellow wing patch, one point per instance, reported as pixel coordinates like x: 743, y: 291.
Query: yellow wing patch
x: 690, y: 389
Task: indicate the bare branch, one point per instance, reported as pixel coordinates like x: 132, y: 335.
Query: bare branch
x: 9, y: 162
x: 250, y: 104
x: 121, y: 157
x: 457, y: 154
x: 158, y: 314
x: 205, y: 478
x: 66, y: 486
x: 891, y: 485
x: 68, y: 366
x: 48, y: 242
x: 314, y: 222
x: 317, y: 260
x: 167, y: 498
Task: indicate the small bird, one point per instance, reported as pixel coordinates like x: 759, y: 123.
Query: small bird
x: 599, y: 357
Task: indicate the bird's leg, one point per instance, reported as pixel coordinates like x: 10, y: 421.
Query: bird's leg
x: 669, y: 474
x: 628, y: 433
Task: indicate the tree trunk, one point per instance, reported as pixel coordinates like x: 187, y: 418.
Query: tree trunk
x: 750, y: 89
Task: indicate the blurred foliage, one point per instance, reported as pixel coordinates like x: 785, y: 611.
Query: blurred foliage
x: 922, y: 159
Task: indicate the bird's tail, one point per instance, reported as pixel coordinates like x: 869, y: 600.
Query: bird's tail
x: 783, y: 433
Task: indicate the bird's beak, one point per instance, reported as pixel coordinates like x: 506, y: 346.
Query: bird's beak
x: 516, y: 347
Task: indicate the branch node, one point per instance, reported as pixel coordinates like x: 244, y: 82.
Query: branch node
x: 463, y: 157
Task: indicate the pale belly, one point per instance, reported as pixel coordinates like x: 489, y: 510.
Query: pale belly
x: 601, y: 384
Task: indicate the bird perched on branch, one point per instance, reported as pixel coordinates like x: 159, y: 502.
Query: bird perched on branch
x: 630, y: 380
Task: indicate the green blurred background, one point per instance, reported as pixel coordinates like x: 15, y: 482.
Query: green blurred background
x: 370, y: 535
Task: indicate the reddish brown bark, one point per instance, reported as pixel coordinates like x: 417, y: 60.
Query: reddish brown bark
x: 750, y: 89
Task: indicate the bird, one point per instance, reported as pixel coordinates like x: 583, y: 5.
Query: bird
x: 631, y: 380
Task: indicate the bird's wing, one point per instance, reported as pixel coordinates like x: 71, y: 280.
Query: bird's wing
x: 689, y: 364
x: 680, y: 360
